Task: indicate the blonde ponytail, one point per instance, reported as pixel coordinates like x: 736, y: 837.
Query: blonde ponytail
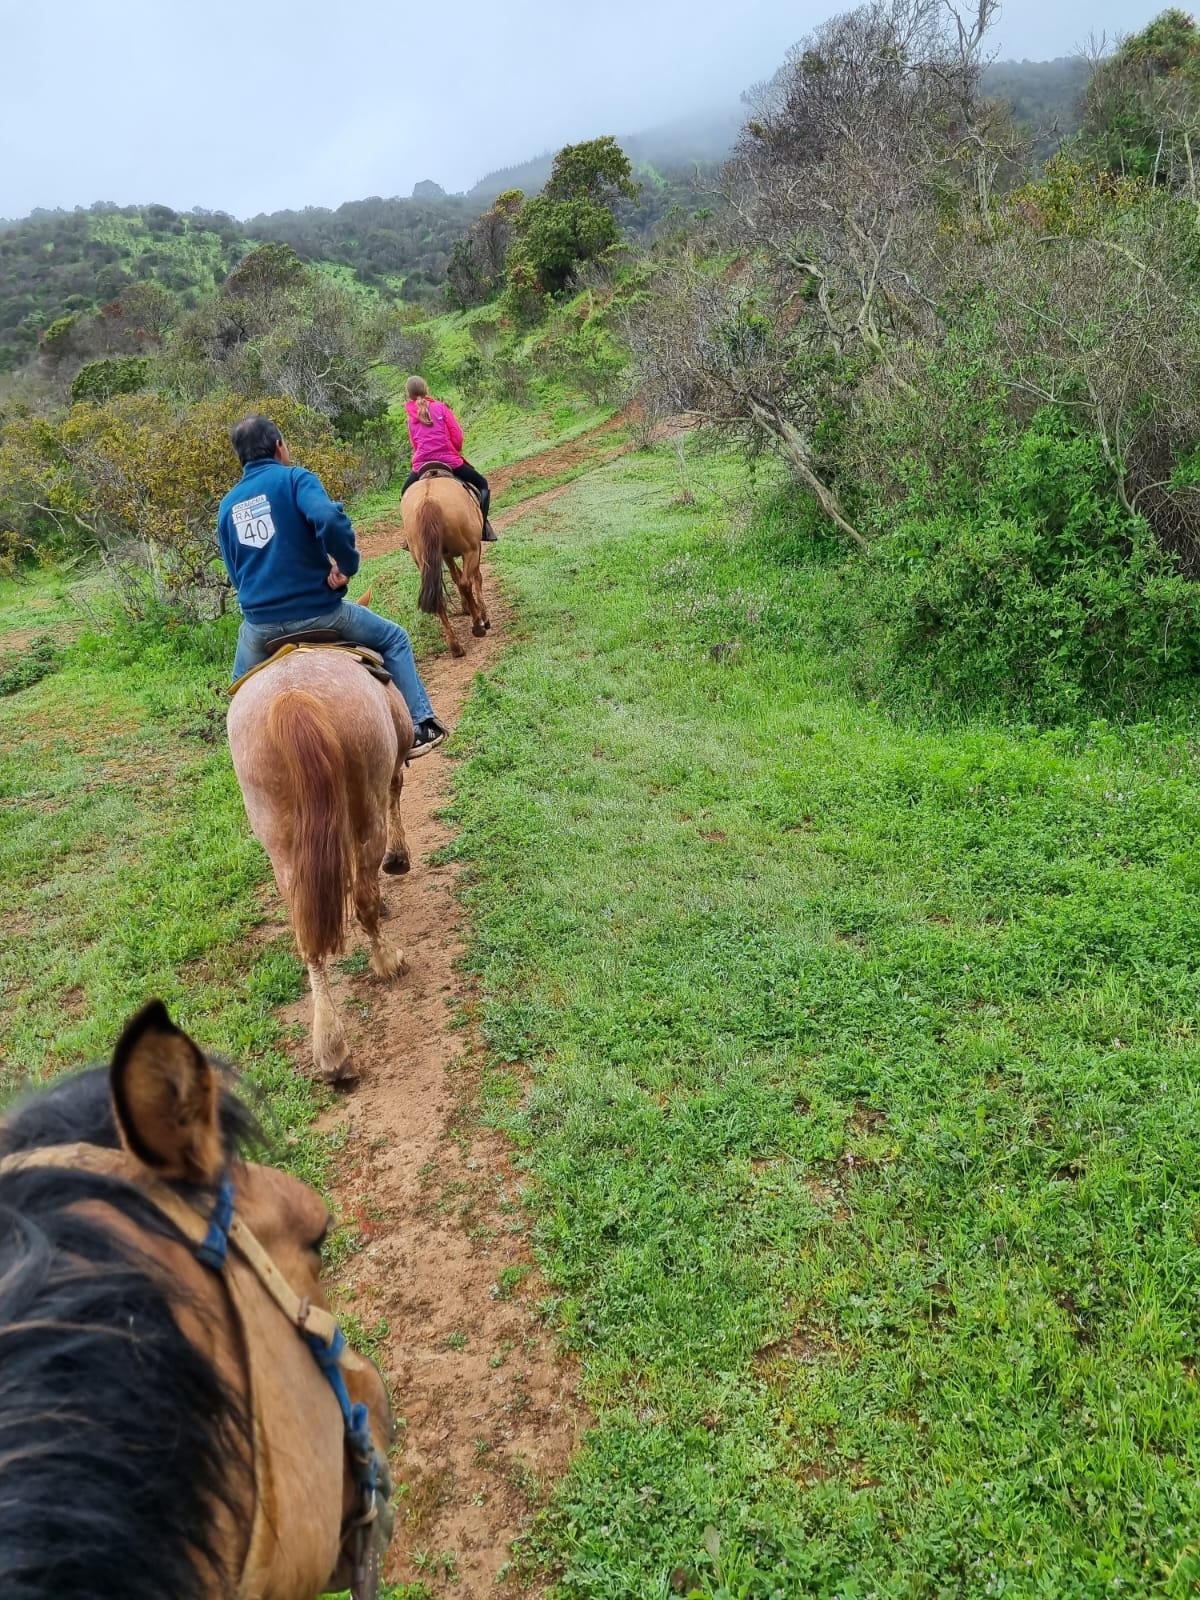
x: 417, y: 389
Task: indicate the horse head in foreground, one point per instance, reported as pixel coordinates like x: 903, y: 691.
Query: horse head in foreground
x: 179, y: 1417
x: 319, y: 747
x: 443, y: 522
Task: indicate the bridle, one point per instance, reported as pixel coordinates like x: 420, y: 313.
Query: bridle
x: 365, y: 1532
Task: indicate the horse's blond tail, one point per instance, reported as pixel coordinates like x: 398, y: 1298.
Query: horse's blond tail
x: 431, y: 536
x: 309, y: 749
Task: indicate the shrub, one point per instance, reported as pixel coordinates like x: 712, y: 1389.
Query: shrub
x: 100, y: 380
x: 1037, y: 593
x: 140, y: 480
x: 591, y: 358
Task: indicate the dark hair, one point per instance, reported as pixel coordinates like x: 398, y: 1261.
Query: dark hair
x: 255, y: 438
x: 118, y: 1438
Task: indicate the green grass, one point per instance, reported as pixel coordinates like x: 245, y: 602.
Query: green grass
x: 852, y: 1064
x: 53, y: 601
x: 506, y: 434
x: 860, y: 1137
x: 127, y: 871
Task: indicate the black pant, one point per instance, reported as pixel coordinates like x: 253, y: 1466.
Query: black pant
x: 465, y: 474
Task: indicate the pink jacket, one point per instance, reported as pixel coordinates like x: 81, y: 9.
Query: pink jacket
x: 440, y: 439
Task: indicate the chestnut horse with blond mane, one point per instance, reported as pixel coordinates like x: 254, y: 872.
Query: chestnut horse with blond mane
x: 319, y: 746
x: 165, y: 1430
x: 443, y: 522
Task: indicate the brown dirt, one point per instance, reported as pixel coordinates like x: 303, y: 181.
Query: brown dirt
x: 17, y: 640
x: 381, y: 538
x: 559, y: 459
x: 489, y: 1410
x: 490, y: 1415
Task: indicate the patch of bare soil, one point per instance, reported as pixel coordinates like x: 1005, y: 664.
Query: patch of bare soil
x: 560, y: 458
x: 381, y: 538
x: 489, y: 1410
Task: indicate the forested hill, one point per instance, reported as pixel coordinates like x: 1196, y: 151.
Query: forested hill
x: 56, y: 263
x: 679, y: 146
x: 1044, y: 95
x: 401, y: 244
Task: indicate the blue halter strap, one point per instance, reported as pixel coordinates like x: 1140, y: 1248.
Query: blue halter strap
x: 356, y: 1419
x: 213, y: 1251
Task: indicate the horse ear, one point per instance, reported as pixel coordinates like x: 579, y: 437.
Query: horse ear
x: 166, y: 1099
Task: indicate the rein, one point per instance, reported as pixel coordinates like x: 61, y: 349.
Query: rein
x: 211, y: 1238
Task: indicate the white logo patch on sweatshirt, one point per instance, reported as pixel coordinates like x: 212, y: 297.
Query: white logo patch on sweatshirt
x: 253, y: 523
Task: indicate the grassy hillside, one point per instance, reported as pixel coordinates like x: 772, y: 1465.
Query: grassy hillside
x: 855, y: 1073
x: 852, y: 1063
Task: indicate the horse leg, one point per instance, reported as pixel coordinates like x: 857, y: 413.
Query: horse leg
x: 331, y: 1051
x: 473, y: 592
x: 455, y: 648
x: 458, y: 584
x: 396, y: 859
x: 387, y: 960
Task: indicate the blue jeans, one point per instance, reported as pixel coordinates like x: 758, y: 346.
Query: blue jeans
x: 355, y: 623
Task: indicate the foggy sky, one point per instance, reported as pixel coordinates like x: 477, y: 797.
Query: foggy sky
x: 245, y: 106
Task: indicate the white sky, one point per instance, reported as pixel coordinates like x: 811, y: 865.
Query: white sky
x: 247, y: 106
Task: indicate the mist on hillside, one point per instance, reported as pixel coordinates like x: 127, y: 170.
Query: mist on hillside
x: 188, y: 107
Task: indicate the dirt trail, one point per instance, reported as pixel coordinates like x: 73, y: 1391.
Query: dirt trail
x: 489, y: 1410
x: 382, y: 537
x: 490, y: 1414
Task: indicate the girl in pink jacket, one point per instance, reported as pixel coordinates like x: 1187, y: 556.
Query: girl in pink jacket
x: 437, y: 436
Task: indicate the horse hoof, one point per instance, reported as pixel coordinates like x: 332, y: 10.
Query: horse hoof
x: 342, y: 1076
x: 457, y: 650
x: 396, y: 865
x: 487, y: 627
x: 389, y: 962
x: 478, y: 630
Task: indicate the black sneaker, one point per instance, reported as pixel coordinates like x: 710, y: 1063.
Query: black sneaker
x: 426, y: 736
x: 489, y: 533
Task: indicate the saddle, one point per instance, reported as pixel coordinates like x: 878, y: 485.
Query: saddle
x: 439, y: 469
x: 315, y: 639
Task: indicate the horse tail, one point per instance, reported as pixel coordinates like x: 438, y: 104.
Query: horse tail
x: 431, y: 534
x: 309, y: 748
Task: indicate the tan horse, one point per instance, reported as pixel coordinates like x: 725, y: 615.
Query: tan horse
x: 443, y: 522
x: 319, y: 746
x: 165, y: 1430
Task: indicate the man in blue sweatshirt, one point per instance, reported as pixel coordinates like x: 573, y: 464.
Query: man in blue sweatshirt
x: 289, y: 551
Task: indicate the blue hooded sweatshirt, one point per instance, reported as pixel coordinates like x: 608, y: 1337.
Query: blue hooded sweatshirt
x: 278, y: 529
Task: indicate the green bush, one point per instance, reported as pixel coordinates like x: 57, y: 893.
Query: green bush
x: 100, y: 380
x: 1035, y: 590
x: 590, y: 357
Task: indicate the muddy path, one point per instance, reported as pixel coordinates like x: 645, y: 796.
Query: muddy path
x: 489, y: 1412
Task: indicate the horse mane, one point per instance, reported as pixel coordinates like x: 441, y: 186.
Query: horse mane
x: 118, y: 1438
